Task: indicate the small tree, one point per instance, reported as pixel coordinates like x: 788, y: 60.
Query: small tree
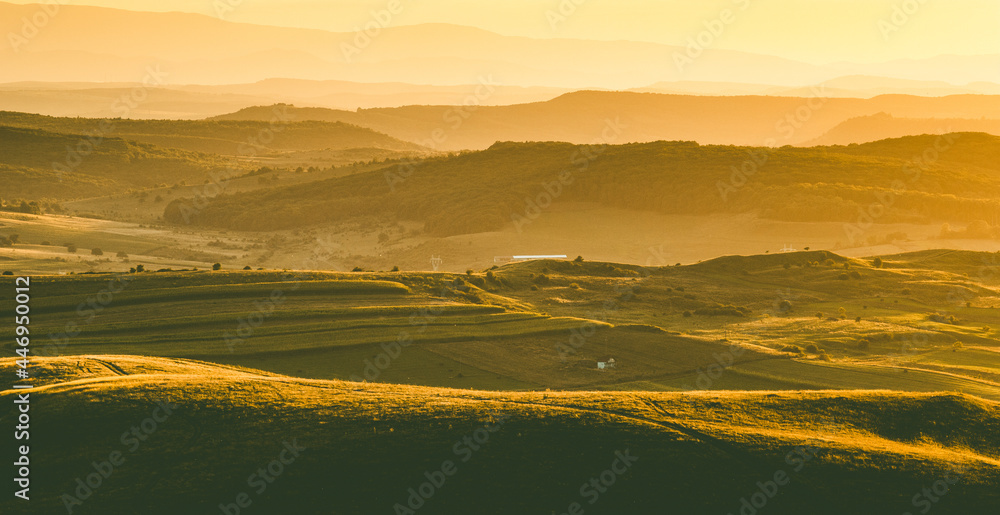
x: 579, y: 259
x: 71, y: 248
x: 878, y: 262
x: 217, y: 266
x: 96, y: 252
x: 395, y: 269
x: 247, y: 267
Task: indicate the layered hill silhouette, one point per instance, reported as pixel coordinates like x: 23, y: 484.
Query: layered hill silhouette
x: 585, y: 117
x: 84, y: 43
x: 855, y: 86
x: 97, y: 100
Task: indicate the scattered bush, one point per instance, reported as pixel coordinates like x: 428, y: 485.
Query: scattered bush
x: 819, y: 315
x: 812, y: 348
x: 394, y: 269
x: 855, y: 274
x: 579, y: 259
x: 942, y: 319
x: 794, y: 349
x: 71, y: 248
x: 785, y: 306
x: 358, y: 269
x: 843, y: 277
x: 247, y: 267
x: 96, y: 252
x: 688, y: 314
x: 878, y: 262
x: 217, y: 266
x: 575, y: 286
x: 864, y: 345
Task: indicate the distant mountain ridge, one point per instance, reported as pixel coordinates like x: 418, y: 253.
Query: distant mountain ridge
x: 582, y: 117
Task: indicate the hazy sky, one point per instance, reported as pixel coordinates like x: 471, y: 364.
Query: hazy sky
x: 817, y: 31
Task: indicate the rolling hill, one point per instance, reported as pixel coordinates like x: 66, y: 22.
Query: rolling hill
x: 913, y: 322
x: 280, y: 131
x: 514, y: 183
x: 881, y: 126
x: 37, y: 164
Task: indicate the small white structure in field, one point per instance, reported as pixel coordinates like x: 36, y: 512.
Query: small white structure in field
x: 605, y: 365
x: 436, y: 262
x: 533, y: 258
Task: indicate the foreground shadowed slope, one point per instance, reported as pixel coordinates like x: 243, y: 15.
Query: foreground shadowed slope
x: 360, y: 447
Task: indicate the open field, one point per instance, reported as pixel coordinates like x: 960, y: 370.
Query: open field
x: 360, y: 448
x: 810, y: 320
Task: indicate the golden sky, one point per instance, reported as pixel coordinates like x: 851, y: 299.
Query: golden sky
x: 817, y: 31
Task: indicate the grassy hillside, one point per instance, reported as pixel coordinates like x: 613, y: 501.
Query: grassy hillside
x: 507, y: 183
x: 359, y: 448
